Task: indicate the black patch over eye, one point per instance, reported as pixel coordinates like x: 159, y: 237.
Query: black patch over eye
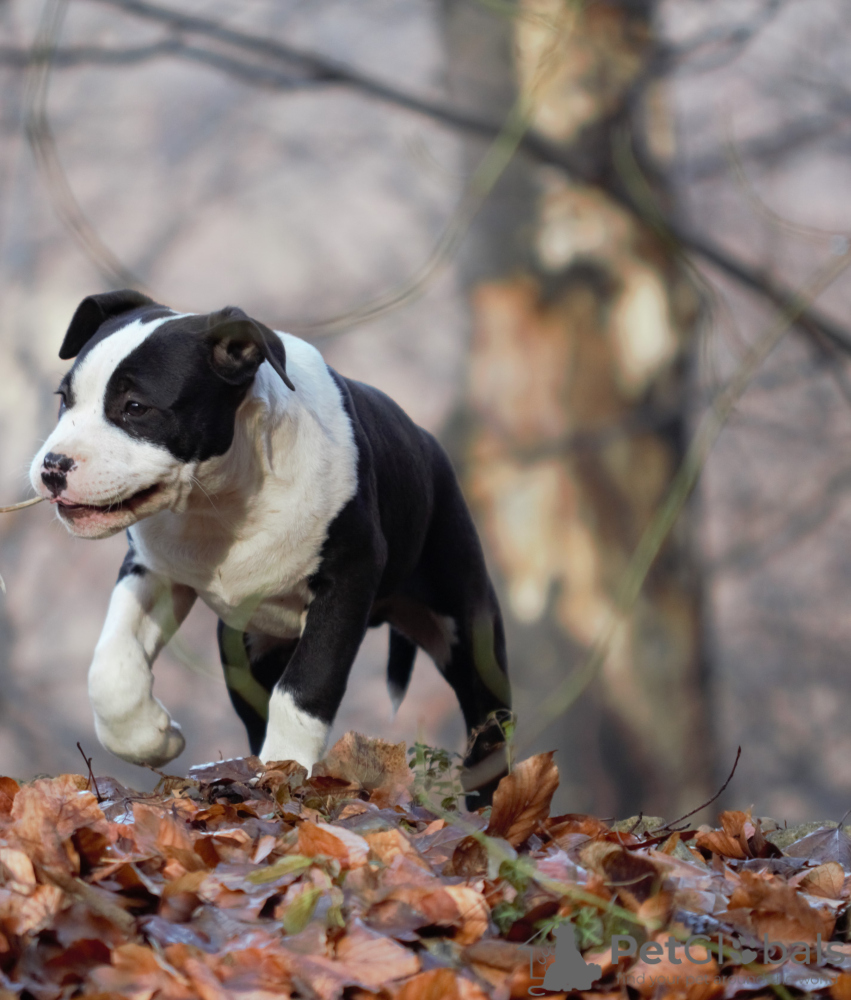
x: 133, y: 408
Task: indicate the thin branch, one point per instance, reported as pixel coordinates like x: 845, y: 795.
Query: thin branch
x: 43, y: 144
x: 321, y: 68
x: 724, y: 42
x: 92, y: 780
x: 708, y: 802
x: 71, y: 57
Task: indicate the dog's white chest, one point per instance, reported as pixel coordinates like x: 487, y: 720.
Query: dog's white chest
x: 281, y: 614
x: 250, y: 593
x: 256, y: 583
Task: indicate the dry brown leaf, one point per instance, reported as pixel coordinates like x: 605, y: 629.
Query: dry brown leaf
x: 826, y: 880
x: 255, y: 973
x: 681, y: 973
x: 374, y: 764
x: 732, y: 840
x: 349, y: 848
x: 722, y: 843
x: 522, y: 799
x: 469, y: 858
x: 239, y: 769
x: 137, y: 972
x: 371, y: 959
x: 504, y: 966
x: 281, y: 779
x: 195, y: 867
x: 656, y: 911
x: 827, y: 844
x: 589, y: 826
x: 435, y: 904
x: 386, y: 845
x: 9, y: 788
x: 48, y: 812
x: 364, y: 958
x: 734, y: 821
x: 841, y: 987
x: 204, y: 981
x: 19, y: 868
x: 160, y: 831
x: 770, y: 906
x: 473, y: 912
x: 436, y: 984
x: 633, y: 877
x: 33, y: 912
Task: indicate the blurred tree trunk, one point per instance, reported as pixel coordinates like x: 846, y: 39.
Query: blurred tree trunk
x: 576, y: 406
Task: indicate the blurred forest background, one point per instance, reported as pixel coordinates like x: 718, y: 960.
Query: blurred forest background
x: 552, y: 230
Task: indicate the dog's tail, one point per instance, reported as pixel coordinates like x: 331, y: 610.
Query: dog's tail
x: 400, y: 666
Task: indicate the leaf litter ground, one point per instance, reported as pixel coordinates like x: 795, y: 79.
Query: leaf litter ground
x: 251, y: 881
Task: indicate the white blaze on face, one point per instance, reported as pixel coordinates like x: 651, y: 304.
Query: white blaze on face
x: 109, y: 466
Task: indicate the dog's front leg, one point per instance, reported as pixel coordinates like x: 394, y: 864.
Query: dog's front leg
x: 144, y: 613
x: 305, y: 700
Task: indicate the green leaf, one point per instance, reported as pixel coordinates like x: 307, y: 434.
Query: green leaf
x: 284, y: 866
x: 297, y: 915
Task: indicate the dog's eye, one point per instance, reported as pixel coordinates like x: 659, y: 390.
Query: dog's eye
x: 63, y: 402
x: 134, y: 408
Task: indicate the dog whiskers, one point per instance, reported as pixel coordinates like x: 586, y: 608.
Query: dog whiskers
x: 200, y: 486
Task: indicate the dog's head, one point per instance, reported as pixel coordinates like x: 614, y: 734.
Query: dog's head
x: 151, y: 394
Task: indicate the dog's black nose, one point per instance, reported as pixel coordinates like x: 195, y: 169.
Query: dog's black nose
x: 54, y: 474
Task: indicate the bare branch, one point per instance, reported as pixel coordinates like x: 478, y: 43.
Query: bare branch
x: 43, y: 144
x: 720, y: 45
x: 303, y: 68
x: 93, y: 55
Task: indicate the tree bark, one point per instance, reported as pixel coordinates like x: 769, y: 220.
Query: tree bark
x: 576, y: 415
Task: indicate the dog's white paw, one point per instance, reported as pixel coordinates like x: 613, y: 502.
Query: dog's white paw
x: 150, y: 738
x: 292, y: 733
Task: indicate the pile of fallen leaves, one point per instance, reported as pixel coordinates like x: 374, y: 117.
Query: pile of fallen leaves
x: 252, y: 881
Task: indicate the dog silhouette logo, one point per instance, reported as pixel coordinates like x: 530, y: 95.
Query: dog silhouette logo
x: 569, y: 970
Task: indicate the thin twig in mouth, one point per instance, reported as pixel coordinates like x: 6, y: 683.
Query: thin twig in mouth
x: 21, y: 505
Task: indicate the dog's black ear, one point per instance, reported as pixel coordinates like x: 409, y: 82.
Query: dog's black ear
x: 94, y: 311
x: 240, y: 345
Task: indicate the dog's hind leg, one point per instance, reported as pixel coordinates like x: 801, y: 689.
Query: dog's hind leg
x: 477, y: 673
x: 455, y: 579
x: 253, y: 664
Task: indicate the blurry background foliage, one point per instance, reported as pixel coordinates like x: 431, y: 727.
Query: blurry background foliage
x: 554, y: 231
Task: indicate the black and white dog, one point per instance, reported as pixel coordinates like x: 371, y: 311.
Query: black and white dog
x: 301, y: 506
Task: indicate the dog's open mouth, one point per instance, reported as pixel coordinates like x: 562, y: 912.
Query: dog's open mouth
x: 129, y: 503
